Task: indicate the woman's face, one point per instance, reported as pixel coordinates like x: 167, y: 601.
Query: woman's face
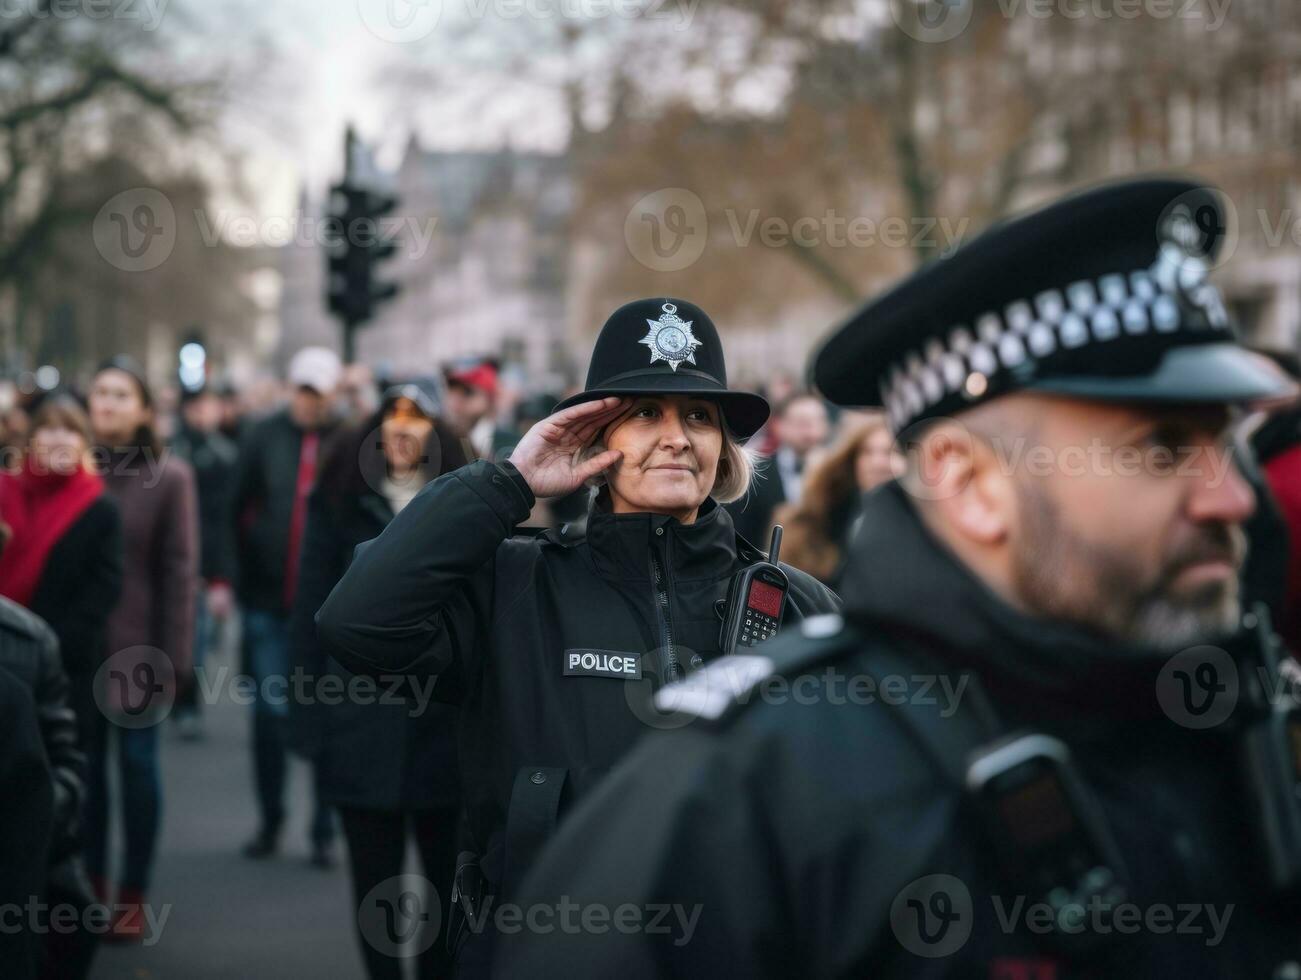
x: 877, y: 461
x: 404, y: 433
x: 116, y: 408
x: 57, y: 449
x: 671, y: 445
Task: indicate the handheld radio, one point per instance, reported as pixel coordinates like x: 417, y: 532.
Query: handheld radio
x: 756, y: 598
x: 1049, y: 834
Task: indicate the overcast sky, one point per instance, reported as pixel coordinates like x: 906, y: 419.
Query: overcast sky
x: 337, y: 61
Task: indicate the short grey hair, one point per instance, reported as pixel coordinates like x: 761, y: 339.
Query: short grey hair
x: 731, y: 482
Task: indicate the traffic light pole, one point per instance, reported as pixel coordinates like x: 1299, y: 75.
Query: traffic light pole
x: 349, y: 341
x: 357, y: 203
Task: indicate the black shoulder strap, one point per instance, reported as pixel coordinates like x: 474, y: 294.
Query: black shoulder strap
x: 948, y: 740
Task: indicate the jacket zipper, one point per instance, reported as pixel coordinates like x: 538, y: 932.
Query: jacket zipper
x: 668, y: 658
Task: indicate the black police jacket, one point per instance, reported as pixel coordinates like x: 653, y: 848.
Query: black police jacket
x: 551, y: 645
x: 803, y: 829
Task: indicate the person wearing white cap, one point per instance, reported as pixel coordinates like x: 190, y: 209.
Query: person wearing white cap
x: 276, y: 472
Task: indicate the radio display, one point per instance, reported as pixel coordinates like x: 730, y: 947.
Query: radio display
x: 765, y: 598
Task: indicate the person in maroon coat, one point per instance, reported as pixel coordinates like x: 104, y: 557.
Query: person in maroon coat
x: 150, y: 633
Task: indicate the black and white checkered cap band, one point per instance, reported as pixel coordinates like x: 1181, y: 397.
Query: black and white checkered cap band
x: 1086, y: 312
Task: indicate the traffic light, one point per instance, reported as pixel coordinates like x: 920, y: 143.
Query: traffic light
x: 356, y: 249
x: 356, y: 246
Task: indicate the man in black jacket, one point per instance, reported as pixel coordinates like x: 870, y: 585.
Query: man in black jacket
x: 277, y: 467
x: 214, y: 458
x: 1016, y: 756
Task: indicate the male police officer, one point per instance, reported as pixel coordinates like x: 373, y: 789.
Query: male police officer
x: 1018, y: 756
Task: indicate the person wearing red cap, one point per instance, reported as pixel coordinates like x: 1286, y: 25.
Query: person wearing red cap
x: 472, y: 388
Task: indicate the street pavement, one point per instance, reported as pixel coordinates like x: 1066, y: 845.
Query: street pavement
x: 228, y: 917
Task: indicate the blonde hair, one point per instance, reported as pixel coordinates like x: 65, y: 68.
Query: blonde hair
x: 731, y: 481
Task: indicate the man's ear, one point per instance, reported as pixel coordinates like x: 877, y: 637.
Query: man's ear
x: 968, y: 490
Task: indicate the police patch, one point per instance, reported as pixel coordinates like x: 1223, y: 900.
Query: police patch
x: 602, y: 663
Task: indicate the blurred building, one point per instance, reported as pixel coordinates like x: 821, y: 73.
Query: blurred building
x: 481, y: 262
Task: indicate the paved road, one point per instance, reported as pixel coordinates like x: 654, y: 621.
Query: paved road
x: 231, y: 918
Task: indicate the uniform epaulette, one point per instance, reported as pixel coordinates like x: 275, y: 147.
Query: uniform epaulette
x: 721, y: 688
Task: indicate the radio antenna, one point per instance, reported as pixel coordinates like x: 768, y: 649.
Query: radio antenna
x: 774, y: 546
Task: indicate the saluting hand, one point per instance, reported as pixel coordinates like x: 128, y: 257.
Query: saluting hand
x: 547, y: 456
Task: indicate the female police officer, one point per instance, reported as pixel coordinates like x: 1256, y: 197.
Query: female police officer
x: 553, y: 645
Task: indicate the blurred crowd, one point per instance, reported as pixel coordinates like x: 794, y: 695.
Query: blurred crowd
x: 143, y: 529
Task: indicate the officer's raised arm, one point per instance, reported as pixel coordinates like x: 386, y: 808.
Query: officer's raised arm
x: 416, y: 598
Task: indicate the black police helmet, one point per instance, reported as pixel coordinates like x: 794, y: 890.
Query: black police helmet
x: 667, y: 346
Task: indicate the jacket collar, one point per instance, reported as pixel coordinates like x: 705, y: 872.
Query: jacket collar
x: 621, y: 545
x: 902, y: 581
